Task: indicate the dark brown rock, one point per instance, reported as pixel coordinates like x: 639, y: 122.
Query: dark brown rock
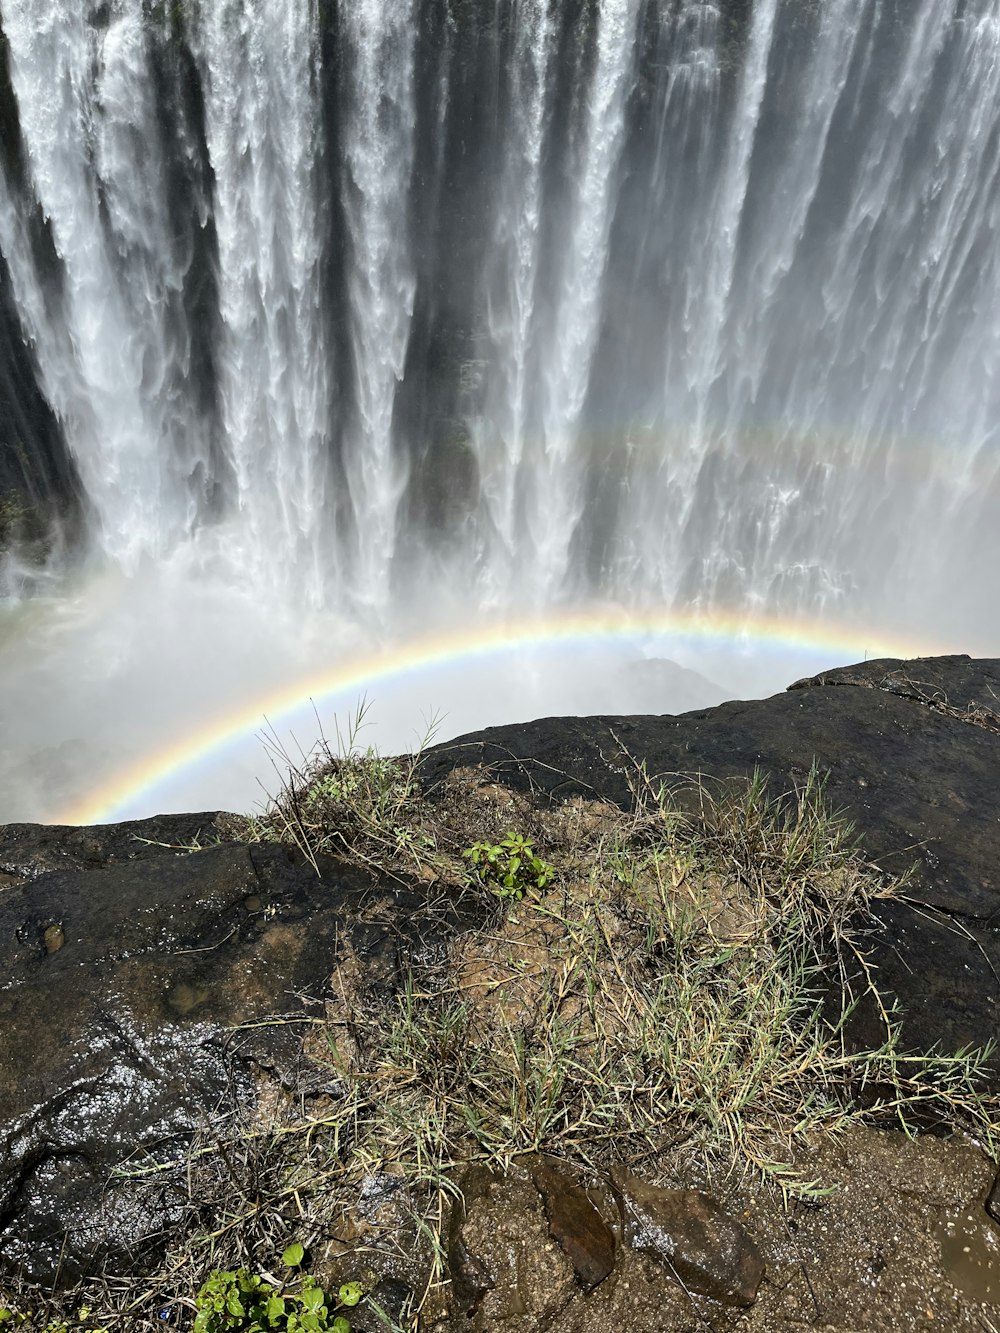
x: 507, y: 1266
x: 575, y: 1224
x: 470, y: 1276
x: 965, y: 687
x: 705, y: 1248
x: 30, y: 850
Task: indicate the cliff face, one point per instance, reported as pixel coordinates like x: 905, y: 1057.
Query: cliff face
x: 138, y: 962
x: 38, y: 481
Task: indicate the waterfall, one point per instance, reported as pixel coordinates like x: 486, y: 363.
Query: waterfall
x: 555, y: 497
x: 378, y: 161
x: 720, y: 325
x: 259, y: 69
x: 393, y: 313
x: 112, y: 353
x: 500, y: 434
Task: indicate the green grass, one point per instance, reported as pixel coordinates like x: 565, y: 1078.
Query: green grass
x: 347, y: 801
x: 674, y: 993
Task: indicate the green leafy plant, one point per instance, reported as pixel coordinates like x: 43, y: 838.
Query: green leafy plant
x: 12, y: 1319
x: 509, y: 868
x: 237, y: 1301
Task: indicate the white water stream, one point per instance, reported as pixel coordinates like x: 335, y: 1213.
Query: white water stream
x: 681, y: 308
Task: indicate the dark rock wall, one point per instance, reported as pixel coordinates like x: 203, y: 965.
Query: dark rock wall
x: 37, y: 476
x: 38, y: 479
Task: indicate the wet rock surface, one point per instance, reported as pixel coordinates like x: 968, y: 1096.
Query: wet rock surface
x: 30, y: 850
x: 472, y: 1276
x: 509, y: 1270
x: 706, y: 1249
x: 134, y: 997
x: 900, y: 1242
x: 966, y: 687
x: 575, y: 1224
x: 918, y: 780
x: 993, y: 1200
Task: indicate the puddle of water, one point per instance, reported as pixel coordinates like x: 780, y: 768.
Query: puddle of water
x: 970, y: 1254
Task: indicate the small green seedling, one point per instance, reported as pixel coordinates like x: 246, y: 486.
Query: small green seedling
x: 509, y: 868
x: 10, y: 1319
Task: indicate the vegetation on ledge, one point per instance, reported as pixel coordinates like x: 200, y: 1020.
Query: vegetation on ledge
x: 645, y: 982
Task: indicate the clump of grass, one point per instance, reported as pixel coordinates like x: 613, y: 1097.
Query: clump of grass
x: 349, y: 801
x: 676, y: 982
x: 675, y: 995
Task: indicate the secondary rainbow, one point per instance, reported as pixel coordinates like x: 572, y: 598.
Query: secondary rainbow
x: 586, y: 628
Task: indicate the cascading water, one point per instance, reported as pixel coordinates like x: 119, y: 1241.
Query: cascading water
x: 499, y: 433
x: 554, y: 502
x: 349, y: 319
x: 378, y: 152
x: 111, y: 354
x: 260, y: 77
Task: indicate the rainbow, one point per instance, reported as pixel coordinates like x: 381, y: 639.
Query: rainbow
x: 581, y: 629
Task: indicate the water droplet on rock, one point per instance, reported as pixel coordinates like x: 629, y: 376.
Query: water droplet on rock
x: 709, y: 1251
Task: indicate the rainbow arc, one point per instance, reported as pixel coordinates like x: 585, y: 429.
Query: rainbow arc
x: 365, y: 673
